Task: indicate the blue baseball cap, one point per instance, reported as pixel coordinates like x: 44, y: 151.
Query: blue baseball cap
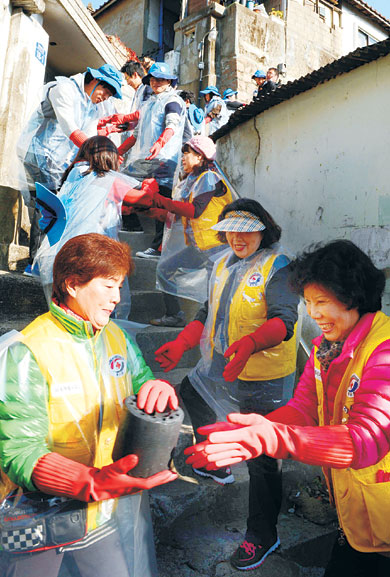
x: 229, y: 92
x: 210, y: 90
x: 196, y: 115
x: 259, y: 74
x: 52, y: 204
x: 160, y: 70
x: 108, y: 73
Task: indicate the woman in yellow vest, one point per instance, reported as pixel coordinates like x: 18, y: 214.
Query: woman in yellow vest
x: 61, y: 401
x: 339, y: 416
x: 190, y: 246
x: 249, y: 319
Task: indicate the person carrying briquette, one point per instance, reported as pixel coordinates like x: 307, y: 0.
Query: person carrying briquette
x: 66, y: 116
x: 190, y: 247
x: 216, y: 113
x: 62, y: 400
x: 94, y: 193
x: 157, y: 139
x: 246, y: 332
x: 339, y: 416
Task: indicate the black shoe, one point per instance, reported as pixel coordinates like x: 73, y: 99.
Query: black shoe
x: 170, y: 321
x: 148, y: 253
x: 251, y: 555
x: 221, y: 476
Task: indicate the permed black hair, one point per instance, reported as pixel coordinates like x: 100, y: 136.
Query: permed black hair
x: 345, y: 270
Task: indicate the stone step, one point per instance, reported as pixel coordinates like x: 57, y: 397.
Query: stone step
x: 149, y: 304
x: 199, y: 524
x: 144, y: 274
x: 136, y: 240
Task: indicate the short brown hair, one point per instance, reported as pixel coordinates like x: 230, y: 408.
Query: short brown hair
x: 86, y: 257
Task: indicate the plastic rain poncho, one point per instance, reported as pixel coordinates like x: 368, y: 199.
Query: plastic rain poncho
x: 44, y: 146
x: 217, y: 110
x: 222, y: 396
x: 92, y: 204
x: 184, y: 267
x: 55, y: 382
x: 152, y: 122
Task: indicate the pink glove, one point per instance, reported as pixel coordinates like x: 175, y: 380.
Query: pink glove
x: 115, y: 120
x: 325, y: 446
x: 58, y: 475
x: 178, y: 207
x: 156, y: 396
x: 170, y: 354
x: 78, y: 137
x: 160, y: 142
x: 126, y: 145
x: 270, y: 334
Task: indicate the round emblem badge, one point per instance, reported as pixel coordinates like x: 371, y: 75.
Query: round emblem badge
x: 255, y: 279
x: 117, y: 365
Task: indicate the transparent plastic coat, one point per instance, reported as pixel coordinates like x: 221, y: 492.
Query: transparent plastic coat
x: 91, y: 206
x: 54, y: 385
x: 216, y: 108
x: 184, y: 268
x: 150, y: 127
x: 44, y: 148
x: 222, y: 396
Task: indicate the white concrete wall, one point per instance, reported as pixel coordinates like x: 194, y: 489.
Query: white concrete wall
x: 352, y: 20
x: 320, y: 162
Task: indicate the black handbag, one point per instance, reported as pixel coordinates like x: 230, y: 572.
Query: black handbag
x: 36, y: 522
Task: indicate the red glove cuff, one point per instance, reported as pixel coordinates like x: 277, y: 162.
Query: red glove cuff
x: 287, y: 415
x: 126, y: 145
x: 57, y: 475
x: 270, y: 334
x: 190, y: 335
x: 78, y: 137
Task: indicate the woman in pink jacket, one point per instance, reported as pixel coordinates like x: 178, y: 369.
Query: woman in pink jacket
x: 339, y: 417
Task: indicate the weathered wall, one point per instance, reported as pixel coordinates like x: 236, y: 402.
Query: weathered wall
x: 319, y: 162
x: 352, y: 21
x: 125, y: 19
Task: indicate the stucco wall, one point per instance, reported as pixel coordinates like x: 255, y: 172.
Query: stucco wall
x: 352, y: 21
x: 319, y: 162
x: 126, y: 20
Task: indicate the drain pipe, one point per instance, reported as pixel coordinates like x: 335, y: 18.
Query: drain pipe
x: 161, y: 33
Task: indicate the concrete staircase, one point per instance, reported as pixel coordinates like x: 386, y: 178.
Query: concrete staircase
x: 198, y: 524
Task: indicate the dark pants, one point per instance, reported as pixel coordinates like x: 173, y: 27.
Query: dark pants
x: 101, y: 559
x: 156, y: 242
x: 36, y: 234
x: 265, y: 473
x: 347, y: 562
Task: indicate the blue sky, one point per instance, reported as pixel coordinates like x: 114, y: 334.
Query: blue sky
x: 382, y: 6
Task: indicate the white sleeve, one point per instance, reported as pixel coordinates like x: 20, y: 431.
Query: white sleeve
x: 62, y: 97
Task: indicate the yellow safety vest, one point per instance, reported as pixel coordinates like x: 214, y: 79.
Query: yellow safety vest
x: 204, y: 237
x: 363, y: 504
x: 85, y: 402
x: 247, y: 312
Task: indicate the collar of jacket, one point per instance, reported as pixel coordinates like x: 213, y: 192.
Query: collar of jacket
x: 79, y: 328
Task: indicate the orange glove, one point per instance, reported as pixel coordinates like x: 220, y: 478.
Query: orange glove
x: 78, y: 137
x: 160, y: 142
x: 58, y: 475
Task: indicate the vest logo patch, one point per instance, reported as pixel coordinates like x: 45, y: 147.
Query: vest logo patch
x: 353, y: 386
x: 63, y: 389
x: 117, y: 365
x: 255, y: 279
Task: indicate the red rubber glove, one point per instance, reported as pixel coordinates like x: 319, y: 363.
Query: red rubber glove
x: 58, y: 475
x: 157, y: 396
x: 287, y: 415
x: 186, y: 209
x: 126, y: 145
x: 207, y: 119
x: 160, y: 142
x: 325, y: 446
x: 142, y: 197
x: 270, y: 334
x: 117, y: 119
x: 170, y: 354
x: 78, y: 137
x: 155, y: 213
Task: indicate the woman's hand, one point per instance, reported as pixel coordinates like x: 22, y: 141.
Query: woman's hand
x: 157, y: 396
x: 243, y: 349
